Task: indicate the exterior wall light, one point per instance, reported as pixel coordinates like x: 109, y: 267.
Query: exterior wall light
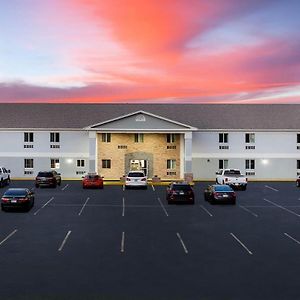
x: 69, y: 160
x: 264, y: 161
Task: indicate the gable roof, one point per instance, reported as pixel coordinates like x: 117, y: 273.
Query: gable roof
x: 201, y: 116
x: 141, y: 120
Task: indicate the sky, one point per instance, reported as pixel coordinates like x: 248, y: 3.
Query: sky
x: 150, y: 51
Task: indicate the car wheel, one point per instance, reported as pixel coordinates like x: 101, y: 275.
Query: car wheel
x: 59, y: 182
x: 298, y: 184
x: 1, y: 184
x: 37, y: 186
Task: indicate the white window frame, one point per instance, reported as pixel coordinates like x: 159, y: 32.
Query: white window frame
x: 171, y: 164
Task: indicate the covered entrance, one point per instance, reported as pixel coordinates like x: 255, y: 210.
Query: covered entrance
x: 139, y: 165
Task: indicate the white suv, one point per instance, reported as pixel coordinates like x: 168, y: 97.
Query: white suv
x: 4, y: 176
x: 136, y: 179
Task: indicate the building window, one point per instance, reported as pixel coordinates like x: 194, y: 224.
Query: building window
x: 106, y: 163
x: 80, y: 163
x: 223, y: 137
x: 28, y: 137
x: 28, y: 163
x: 171, y: 138
x: 249, y: 138
x: 250, y: 164
x: 54, y: 137
x: 223, y: 164
x: 106, y: 137
x: 139, y: 138
x: 171, y: 164
x: 298, y: 138
x: 298, y: 164
x: 54, y: 163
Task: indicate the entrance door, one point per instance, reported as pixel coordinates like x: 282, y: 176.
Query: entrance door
x: 139, y: 165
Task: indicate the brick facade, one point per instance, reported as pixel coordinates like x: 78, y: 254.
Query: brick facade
x: 122, y: 148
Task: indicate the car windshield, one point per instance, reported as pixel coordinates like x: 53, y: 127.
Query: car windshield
x: 16, y: 192
x: 232, y: 172
x: 92, y: 177
x: 181, y: 187
x: 223, y: 188
x: 45, y: 174
x: 136, y: 174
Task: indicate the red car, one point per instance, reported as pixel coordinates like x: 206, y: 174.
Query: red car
x: 92, y: 181
x: 298, y: 181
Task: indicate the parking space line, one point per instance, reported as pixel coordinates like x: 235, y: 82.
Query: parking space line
x: 123, y: 242
x: 206, y: 210
x: 65, y: 187
x: 123, y: 211
x: 43, y: 206
x: 241, y: 243
x: 153, y: 188
x: 88, y: 198
x: 64, y: 241
x: 292, y: 238
x: 162, y: 206
x: 11, y: 234
x: 271, y: 188
x: 249, y: 211
x: 123, y: 187
x: 182, y: 243
x: 284, y: 208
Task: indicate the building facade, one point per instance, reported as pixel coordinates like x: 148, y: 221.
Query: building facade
x: 166, y: 141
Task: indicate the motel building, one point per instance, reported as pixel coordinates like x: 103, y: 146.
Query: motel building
x: 166, y: 141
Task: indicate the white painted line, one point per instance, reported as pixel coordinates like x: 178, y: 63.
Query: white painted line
x: 123, y: 242
x: 249, y: 211
x: 206, y: 210
x: 86, y: 201
x: 64, y: 241
x: 11, y: 234
x: 292, y: 238
x: 271, y: 188
x: 279, y: 206
x: 153, y: 188
x: 182, y: 243
x: 241, y: 243
x: 162, y: 206
x: 65, y: 187
x: 44, y: 205
x: 123, y: 211
x: 123, y: 187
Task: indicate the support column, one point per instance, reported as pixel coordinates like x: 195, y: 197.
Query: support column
x: 188, y: 175
x: 92, y: 151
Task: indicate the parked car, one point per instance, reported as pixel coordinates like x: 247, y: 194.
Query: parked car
x: 92, y: 180
x: 17, y: 198
x: 48, y: 178
x: 4, y: 177
x: 298, y: 181
x: 180, y: 192
x: 220, y: 193
x: 232, y: 177
x: 136, y: 179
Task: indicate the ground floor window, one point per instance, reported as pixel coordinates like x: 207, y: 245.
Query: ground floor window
x: 28, y: 163
x: 250, y: 166
x: 106, y: 163
x: 54, y: 163
x: 80, y: 162
x: 223, y: 164
x: 171, y: 164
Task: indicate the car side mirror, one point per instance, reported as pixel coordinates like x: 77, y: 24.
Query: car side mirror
x: 82, y: 176
x: 217, y: 173
x: 58, y: 174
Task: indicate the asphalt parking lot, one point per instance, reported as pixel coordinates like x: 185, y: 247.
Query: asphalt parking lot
x: 130, y: 244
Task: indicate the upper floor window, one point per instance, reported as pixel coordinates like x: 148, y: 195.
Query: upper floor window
x: 171, y: 138
x: 54, y: 137
x: 106, y: 137
x: 138, y: 137
x: 249, y: 137
x: 28, y: 137
x: 223, y: 137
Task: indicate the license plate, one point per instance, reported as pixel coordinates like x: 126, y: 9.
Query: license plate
x: 13, y: 201
x: 225, y: 196
x: 181, y: 193
x: 135, y: 180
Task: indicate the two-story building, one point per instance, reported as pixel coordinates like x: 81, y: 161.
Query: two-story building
x: 170, y: 141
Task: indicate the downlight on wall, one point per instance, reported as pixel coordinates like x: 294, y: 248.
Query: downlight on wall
x: 69, y: 160
x: 265, y: 161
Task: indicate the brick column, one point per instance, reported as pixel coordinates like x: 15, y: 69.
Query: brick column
x: 188, y: 175
x: 92, y: 151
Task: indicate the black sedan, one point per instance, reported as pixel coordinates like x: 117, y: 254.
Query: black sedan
x: 218, y: 193
x: 180, y: 193
x: 21, y: 198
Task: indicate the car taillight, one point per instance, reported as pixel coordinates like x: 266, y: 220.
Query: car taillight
x: 246, y: 179
x: 216, y: 194
x: 23, y: 199
x: 5, y: 199
x: 143, y: 179
x: 234, y: 194
x: 128, y: 179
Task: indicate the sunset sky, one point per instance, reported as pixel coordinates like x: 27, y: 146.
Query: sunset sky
x: 150, y: 51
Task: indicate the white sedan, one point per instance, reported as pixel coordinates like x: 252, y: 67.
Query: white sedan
x: 136, y: 179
